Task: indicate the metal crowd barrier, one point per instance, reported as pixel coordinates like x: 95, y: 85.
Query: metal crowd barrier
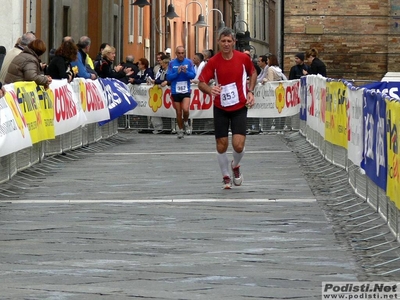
x: 201, y: 126
x: 25, y: 158
x: 379, y: 230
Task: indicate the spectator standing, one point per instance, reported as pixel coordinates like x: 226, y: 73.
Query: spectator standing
x: 231, y: 97
x: 60, y: 66
x: 161, y: 80
x: 145, y: 74
x: 129, y: 64
x: 316, y: 65
x: 274, y: 72
x: 84, y: 63
x: 296, y: 71
x: 21, y: 43
x: 99, y: 56
x: 207, y: 55
x: 106, y: 70
x: 180, y: 72
x: 168, y: 52
x: 159, y: 57
x: 263, y: 65
x: 198, y: 61
x: 161, y: 76
x: 26, y: 65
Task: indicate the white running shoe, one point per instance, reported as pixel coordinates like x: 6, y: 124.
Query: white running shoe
x: 226, y: 183
x: 180, y: 134
x: 188, y: 129
x: 236, y: 175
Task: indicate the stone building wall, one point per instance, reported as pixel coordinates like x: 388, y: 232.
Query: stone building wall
x: 357, y: 39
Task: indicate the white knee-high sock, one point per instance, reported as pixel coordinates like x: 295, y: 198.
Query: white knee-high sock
x: 237, y: 157
x: 223, y: 163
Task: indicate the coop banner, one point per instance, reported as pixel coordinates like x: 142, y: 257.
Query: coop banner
x: 374, y: 154
x: 274, y: 99
x: 118, y: 98
x: 90, y: 94
x: 14, y: 132
x: 153, y: 100
x: 40, y: 120
x: 393, y: 162
x: 355, y: 131
x: 336, y: 113
x: 68, y: 113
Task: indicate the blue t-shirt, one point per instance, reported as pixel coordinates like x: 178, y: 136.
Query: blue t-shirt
x: 180, y: 81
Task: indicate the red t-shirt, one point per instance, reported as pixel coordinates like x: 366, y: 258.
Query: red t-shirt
x: 225, y: 72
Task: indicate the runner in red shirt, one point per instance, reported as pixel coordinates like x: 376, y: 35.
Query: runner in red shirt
x: 232, y: 97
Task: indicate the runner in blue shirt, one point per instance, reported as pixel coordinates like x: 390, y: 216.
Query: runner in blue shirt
x: 180, y: 72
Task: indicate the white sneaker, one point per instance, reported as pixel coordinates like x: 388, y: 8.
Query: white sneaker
x: 226, y: 183
x: 188, y: 129
x: 237, y: 176
x: 180, y: 134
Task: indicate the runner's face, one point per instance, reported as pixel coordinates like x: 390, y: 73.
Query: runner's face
x: 180, y: 54
x: 226, y: 44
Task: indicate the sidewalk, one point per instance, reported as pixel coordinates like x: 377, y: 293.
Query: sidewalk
x: 143, y: 217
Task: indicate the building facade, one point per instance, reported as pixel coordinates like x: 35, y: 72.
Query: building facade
x: 356, y: 39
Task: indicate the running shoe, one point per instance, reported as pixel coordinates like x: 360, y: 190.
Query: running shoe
x: 180, y: 134
x: 188, y: 129
x: 226, y: 183
x: 236, y: 175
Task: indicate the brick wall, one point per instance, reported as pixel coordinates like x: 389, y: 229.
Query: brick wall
x: 357, y: 39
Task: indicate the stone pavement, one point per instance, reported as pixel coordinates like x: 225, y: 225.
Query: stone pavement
x: 143, y: 216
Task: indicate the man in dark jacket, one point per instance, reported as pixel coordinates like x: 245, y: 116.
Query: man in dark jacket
x: 297, y: 70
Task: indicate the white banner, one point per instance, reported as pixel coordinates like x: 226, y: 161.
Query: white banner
x: 14, y: 132
x: 356, y: 124
x: 92, y: 98
x: 68, y: 113
x: 273, y: 100
x: 316, y: 99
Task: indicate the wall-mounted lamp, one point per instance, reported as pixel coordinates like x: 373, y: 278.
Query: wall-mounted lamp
x: 171, y: 12
x: 141, y: 3
x: 200, y: 21
x: 221, y: 23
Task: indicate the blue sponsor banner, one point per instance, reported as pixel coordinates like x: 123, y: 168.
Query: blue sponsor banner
x: 374, y: 154
x: 118, y: 97
x: 389, y: 88
x: 303, y: 98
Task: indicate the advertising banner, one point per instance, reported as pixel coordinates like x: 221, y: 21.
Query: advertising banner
x: 374, y: 155
x: 14, y: 132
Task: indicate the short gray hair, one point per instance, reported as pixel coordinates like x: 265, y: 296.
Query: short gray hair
x: 84, y: 41
x: 130, y: 58
x: 26, y: 38
x: 226, y: 31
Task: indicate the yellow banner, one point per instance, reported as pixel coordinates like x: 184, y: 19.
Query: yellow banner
x: 29, y: 102
x: 336, y: 113
x: 393, y: 178
x: 46, y: 99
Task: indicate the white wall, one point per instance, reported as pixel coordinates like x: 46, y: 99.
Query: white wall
x: 11, y: 16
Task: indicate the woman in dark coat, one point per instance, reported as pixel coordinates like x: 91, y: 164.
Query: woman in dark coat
x: 105, y: 67
x: 316, y: 65
x: 60, y: 65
